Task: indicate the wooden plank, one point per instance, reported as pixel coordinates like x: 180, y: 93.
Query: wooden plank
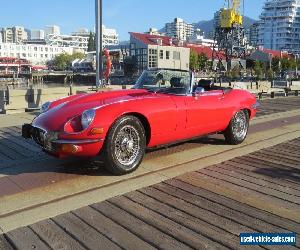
x: 111, y: 230
x: 181, y: 233
x: 224, y: 216
x: 138, y: 227
x: 86, y: 235
x: 54, y: 236
x: 231, y: 204
x: 282, y: 157
x: 272, y: 175
x: 4, y: 244
x: 206, y: 229
x: 261, y: 160
x: 8, y: 153
x: 29, y: 144
x: 273, y: 161
x: 242, y: 194
x: 25, y: 238
x: 248, y: 187
x: 21, y: 150
x: 8, y: 187
x: 244, y: 177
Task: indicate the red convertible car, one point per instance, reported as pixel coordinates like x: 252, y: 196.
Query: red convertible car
x: 163, y: 107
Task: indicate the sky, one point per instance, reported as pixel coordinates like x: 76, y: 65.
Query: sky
x: 123, y: 15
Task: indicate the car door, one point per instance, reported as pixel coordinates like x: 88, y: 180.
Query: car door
x: 206, y: 112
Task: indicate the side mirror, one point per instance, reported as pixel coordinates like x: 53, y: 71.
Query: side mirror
x: 198, y: 91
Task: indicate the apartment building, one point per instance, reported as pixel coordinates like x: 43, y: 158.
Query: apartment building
x: 179, y: 29
x: 279, y: 25
x: 36, y: 54
x: 14, y: 34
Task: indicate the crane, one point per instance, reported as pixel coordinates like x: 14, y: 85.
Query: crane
x: 231, y: 16
x: 229, y: 36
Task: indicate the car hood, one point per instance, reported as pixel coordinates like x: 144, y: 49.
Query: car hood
x: 56, y: 117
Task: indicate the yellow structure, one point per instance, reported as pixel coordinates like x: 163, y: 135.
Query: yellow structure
x: 231, y: 16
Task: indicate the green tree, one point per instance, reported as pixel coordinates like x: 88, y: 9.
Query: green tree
x: 270, y: 73
x: 194, y: 61
x: 258, y: 69
x: 276, y: 64
x: 202, y: 61
x: 91, y: 42
x: 64, y: 60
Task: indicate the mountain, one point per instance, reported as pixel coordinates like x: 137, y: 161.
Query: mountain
x: 208, y: 26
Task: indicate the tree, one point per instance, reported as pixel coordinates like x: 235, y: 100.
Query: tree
x: 270, y: 74
x: 202, y: 61
x: 91, y: 42
x: 64, y: 60
x: 194, y: 61
x: 130, y: 66
x: 258, y: 69
x: 276, y: 64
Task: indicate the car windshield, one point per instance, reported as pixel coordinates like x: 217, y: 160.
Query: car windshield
x: 165, y: 81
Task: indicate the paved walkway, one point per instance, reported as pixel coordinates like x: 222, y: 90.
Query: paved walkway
x: 208, y: 208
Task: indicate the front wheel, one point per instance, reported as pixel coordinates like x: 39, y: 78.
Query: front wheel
x: 237, y: 129
x: 125, y: 146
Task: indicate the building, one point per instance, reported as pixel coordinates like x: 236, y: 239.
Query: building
x: 279, y: 25
x: 155, y: 32
x: 68, y: 41
x: 52, y: 30
x: 198, y: 39
x: 37, y: 35
x: 252, y: 34
x: 179, y: 29
x: 14, y: 34
x: 80, y: 39
x: 151, y: 51
x: 36, y: 54
x: 110, y: 36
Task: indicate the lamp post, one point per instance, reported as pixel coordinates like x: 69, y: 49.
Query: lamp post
x: 296, y: 61
x: 99, y: 63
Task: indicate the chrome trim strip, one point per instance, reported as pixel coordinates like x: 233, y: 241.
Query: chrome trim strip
x: 87, y: 141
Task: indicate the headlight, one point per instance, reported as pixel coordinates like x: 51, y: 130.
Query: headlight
x: 87, y: 118
x: 45, y: 107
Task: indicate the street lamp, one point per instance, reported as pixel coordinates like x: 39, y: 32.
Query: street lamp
x: 99, y: 65
x: 296, y: 61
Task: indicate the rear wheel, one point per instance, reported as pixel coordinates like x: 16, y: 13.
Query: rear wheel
x: 237, y: 130
x: 125, y: 146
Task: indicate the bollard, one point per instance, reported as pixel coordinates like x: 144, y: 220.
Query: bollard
x: 272, y: 94
x: 2, y: 102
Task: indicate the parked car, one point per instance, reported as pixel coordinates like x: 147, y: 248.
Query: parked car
x: 163, y: 107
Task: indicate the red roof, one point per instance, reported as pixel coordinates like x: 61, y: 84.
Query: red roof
x: 201, y: 49
x: 152, y: 39
x: 275, y: 53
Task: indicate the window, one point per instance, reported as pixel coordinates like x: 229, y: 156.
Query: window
x: 167, y: 55
x: 176, y: 55
x: 161, y: 54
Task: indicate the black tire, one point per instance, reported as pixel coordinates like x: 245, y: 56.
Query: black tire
x: 237, y: 130
x: 119, y: 146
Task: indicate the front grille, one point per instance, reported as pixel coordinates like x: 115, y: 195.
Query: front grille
x: 38, y: 136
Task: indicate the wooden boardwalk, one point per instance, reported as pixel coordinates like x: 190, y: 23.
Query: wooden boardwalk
x: 259, y: 192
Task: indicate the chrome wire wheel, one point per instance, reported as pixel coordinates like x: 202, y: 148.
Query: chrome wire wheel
x: 240, y: 125
x: 127, y: 145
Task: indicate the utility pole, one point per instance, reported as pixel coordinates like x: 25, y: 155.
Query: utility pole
x: 99, y: 63
x: 296, y: 61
